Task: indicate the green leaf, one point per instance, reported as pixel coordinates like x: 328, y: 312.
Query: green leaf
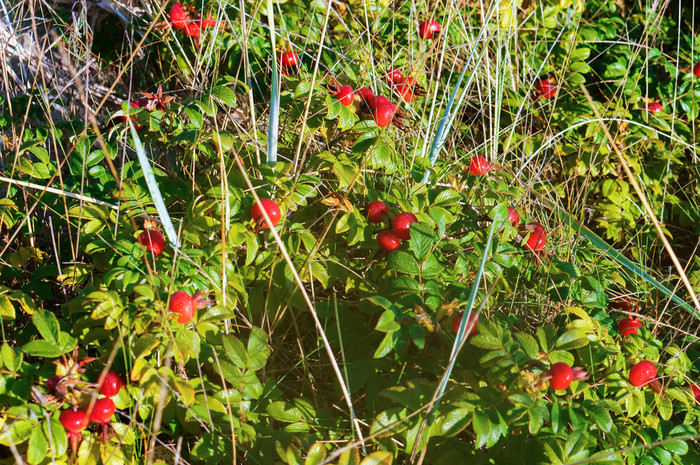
x: 451, y: 423
x: 387, y: 322
x: 47, y: 324
x: 7, y: 310
x: 486, y: 434
x: 378, y: 458
x: 56, y: 435
x: 235, y: 350
x: 431, y: 267
x: 284, y: 411
x: 11, y: 358
x: 38, y: 446
x: 422, y: 240
x: 403, y: 263
x: 447, y: 198
x: 258, y: 350
x: 600, y: 415
x: 224, y: 95
x: 144, y: 345
x: 18, y: 432
x: 387, y: 345
x: 316, y: 454
x: 349, y: 457
x: 573, y: 339
x: 195, y: 116
x: 528, y: 343
x: 41, y: 348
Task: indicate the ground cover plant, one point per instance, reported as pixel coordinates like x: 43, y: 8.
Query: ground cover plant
x: 358, y: 232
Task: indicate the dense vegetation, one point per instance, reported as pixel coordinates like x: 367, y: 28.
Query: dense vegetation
x: 350, y: 232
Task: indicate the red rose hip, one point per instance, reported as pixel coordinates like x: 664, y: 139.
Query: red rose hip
x: 561, y: 376
x: 388, y: 240
x: 537, y: 239
x: 383, y: 114
x: 655, y: 107
x: 272, y: 209
x: 479, y: 166
x: 642, y: 373
x: 629, y: 326
x: 103, y: 410
x: 546, y: 88
x: 402, y: 225
x: 696, y: 69
x: 182, y: 304
x: 376, y: 211
x: 473, y: 318
x: 345, y: 95
x: 111, y: 384
x: 153, y: 241
x: 429, y: 29
x: 513, y: 217
x: 73, y: 420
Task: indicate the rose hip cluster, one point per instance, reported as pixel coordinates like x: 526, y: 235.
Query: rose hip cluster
x: 74, y: 419
x: 407, y: 87
x: 390, y: 239
x: 182, y: 18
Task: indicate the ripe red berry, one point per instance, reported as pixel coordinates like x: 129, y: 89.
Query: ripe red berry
x: 178, y: 16
x: 642, y: 373
x: 365, y: 94
x: 561, y: 376
x: 208, y: 22
x: 546, y: 88
x: 52, y: 383
x: 429, y: 29
x: 377, y: 100
x: 513, y: 217
x: 388, y: 240
x: 272, y: 209
x: 655, y: 107
x: 111, y: 384
x: 383, y: 114
x: 139, y: 103
x: 695, y: 391
x: 696, y: 69
x: 479, y: 166
x: 182, y: 304
x: 405, y: 90
x: 537, y: 239
x: 345, y: 95
x: 103, y: 410
x: 402, y: 225
x: 289, y: 60
x: 192, y: 29
x: 153, y: 241
x: 394, y: 76
x: 376, y: 210
x: 73, y: 420
x: 628, y: 326
x: 458, y: 321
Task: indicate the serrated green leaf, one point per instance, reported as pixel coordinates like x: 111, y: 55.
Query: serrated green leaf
x: 572, y: 339
x: 41, y: 348
x: 258, y: 350
x: 47, y: 324
x: 235, y: 350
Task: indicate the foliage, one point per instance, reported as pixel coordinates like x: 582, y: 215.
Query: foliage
x: 253, y: 378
